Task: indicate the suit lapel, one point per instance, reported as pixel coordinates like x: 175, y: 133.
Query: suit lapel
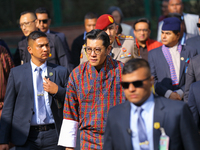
x: 183, y: 58
x: 51, y: 75
x: 159, y: 116
x: 163, y: 62
x: 126, y: 125
x: 29, y: 79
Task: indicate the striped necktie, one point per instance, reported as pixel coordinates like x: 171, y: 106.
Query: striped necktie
x: 142, y: 134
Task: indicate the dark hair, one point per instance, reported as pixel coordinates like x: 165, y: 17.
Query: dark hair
x: 134, y: 64
x: 28, y: 12
x: 35, y: 35
x: 90, y: 15
x: 42, y: 10
x: 119, y: 28
x: 100, y: 35
x: 142, y: 20
x: 176, y: 32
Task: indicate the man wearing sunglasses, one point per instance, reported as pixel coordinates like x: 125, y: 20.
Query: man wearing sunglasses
x: 43, y: 23
x: 139, y: 122
x: 122, y: 46
x: 57, y: 51
x: 93, y: 88
x: 169, y: 62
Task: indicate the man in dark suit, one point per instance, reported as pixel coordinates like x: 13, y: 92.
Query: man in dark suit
x: 57, y: 51
x: 89, y: 23
x: 44, y: 22
x: 32, y: 113
x: 194, y: 101
x: 144, y: 120
x: 192, y: 75
x: 169, y: 62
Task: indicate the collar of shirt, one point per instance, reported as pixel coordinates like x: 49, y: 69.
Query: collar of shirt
x: 174, y: 48
x: 84, y: 35
x: 43, y: 66
x: 146, y: 105
x: 48, y: 31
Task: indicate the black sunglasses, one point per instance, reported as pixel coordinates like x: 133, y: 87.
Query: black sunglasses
x: 198, y: 25
x: 136, y: 84
x: 44, y: 21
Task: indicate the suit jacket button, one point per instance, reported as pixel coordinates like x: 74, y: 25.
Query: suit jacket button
x: 29, y: 121
x: 31, y: 109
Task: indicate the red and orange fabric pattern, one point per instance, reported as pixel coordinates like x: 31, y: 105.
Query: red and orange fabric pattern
x: 90, y: 94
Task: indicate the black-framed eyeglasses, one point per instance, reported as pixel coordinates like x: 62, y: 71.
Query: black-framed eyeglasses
x: 26, y: 24
x: 89, y: 50
x: 198, y: 25
x: 136, y: 84
x: 44, y: 21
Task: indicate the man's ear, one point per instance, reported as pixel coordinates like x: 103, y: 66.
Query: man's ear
x: 116, y: 27
x: 49, y: 22
x: 30, y: 50
x: 109, y: 49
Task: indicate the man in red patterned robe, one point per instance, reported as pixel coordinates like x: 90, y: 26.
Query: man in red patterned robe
x: 93, y: 88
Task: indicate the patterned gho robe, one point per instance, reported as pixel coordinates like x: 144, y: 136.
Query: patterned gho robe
x: 90, y: 95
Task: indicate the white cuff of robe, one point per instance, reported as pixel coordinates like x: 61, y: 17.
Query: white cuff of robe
x: 68, y: 133
x: 168, y: 93
x: 180, y: 92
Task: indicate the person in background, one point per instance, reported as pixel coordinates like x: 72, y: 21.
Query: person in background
x: 118, y: 16
x: 142, y: 33
x: 164, y: 9
x: 44, y: 22
x: 90, y: 20
x: 176, y: 6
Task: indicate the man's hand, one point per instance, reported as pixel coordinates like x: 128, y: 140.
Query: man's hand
x: 4, y: 147
x: 50, y: 87
x: 174, y: 96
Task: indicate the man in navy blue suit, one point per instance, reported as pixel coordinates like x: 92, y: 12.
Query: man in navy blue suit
x: 170, y: 61
x: 33, y: 104
x: 139, y: 122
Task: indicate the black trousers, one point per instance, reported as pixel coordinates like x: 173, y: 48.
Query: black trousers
x: 43, y: 140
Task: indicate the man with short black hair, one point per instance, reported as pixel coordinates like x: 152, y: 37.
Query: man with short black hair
x: 33, y: 104
x: 93, y: 88
x: 90, y: 20
x: 169, y: 63
x: 142, y: 31
x: 146, y: 121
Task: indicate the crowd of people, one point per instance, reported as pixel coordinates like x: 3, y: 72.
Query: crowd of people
x: 115, y: 87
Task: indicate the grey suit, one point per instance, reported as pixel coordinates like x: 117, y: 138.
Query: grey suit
x: 19, y: 102
x: 161, y: 71
x: 192, y: 75
x: 174, y: 116
x: 190, y: 20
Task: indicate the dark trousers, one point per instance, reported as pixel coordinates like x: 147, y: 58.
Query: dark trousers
x: 43, y: 140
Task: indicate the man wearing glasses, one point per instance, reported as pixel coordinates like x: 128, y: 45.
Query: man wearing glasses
x: 169, y: 62
x: 122, y: 47
x: 43, y: 23
x: 146, y: 121
x: 143, y: 42
x: 93, y: 88
x: 57, y: 52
